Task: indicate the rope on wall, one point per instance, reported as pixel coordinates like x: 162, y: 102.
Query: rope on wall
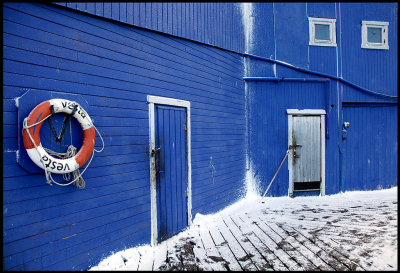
x: 71, y: 151
x: 287, y: 152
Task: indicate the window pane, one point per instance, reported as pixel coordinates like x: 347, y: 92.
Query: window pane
x: 322, y: 32
x: 374, y: 34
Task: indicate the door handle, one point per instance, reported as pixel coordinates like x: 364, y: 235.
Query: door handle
x: 156, y: 151
x: 294, y: 146
x: 153, y: 154
x: 294, y: 149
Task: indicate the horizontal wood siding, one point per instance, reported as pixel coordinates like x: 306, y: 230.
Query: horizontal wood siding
x: 218, y: 24
x: 113, y: 67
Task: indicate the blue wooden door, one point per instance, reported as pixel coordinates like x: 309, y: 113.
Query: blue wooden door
x: 369, y: 147
x: 171, y: 170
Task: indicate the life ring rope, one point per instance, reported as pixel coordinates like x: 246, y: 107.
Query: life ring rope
x: 42, y: 153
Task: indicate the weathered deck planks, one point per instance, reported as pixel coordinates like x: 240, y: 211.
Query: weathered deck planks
x: 267, y: 253
x: 224, y: 249
x: 240, y: 254
x: 316, y: 263
x: 252, y: 251
x: 211, y: 252
x: 270, y: 241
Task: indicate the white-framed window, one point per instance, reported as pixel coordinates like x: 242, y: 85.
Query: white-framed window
x: 374, y: 35
x: 322, y: 31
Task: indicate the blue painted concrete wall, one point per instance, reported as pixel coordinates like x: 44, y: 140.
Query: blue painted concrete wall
x: 113, y: 67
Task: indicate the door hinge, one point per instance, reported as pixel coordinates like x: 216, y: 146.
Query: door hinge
x: 185, y: 126
x: 186, y: 194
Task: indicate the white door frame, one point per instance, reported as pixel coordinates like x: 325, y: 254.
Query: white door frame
x: 304, y: 112
x: 151, y: 100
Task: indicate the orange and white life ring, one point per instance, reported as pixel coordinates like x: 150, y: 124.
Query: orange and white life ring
x: 36, y: 152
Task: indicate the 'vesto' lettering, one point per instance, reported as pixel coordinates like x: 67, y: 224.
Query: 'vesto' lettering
x: 54, y: 164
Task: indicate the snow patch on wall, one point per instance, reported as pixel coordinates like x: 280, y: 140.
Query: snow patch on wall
x: 248, y: 23
x: 252, y: 183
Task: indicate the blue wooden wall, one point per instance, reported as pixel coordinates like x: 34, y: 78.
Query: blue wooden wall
x: 369, y: 153
x: 372, y: 69
x: 267, y: 102
x: 114, y: 67
x: 284, y: 36
x: 115, y: 54
x: 217, y: 24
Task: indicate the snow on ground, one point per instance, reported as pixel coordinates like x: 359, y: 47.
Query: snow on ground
x: 346, y: 231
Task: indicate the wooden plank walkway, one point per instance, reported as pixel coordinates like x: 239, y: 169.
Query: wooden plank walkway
x: 306, y: 238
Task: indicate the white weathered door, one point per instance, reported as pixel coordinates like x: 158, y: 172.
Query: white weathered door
x: 307, y: 157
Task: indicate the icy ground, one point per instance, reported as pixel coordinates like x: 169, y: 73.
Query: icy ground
x: 346, y: 231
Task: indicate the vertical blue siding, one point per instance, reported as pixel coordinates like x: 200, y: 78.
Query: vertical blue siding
x: 99, y: 9
x: 371, y: 147
x: 286, y: 33
x: 263, y: 42
x: 268, y: 130
x: 323, y: 58
x: 218, y: 24
x: 114, y: 68
x: 296, y: 24
x: 321, y: 10
x: 371, y: 68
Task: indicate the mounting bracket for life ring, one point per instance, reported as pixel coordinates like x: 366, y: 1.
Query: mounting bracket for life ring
x: 59, y: 137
